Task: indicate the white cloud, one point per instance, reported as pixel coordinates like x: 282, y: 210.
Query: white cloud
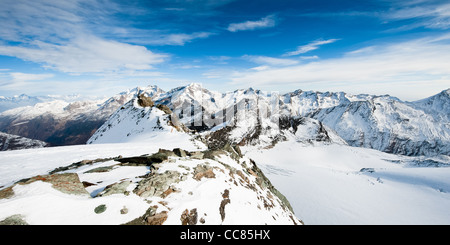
x: 72, y: 36
x: 268, y: 21
x: 86, y: 54
x: 177, y: 38
x: 312, y: 57
x: 18, y: 76
x: 425, y: 14
x: 309, y: 47
x: 265, y: 60
x: 422, y: 63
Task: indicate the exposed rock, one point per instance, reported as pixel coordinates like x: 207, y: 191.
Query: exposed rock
x: 67, y: 182
x: 80, y: 164
x: 6, y: 192
x: 225, y: 201
x: 14, y: 142
x: 196, y: 155
x: 15, y: 219
x: 124, y: 210
x: 145, y: 101
x: 169, y: 153
x: 367, y: 170
x: 158, y: 157
x: 157, y: 219
x: 211, y: 154
x: 264, y: 182
x: 156, y: 184
x: 87, y: 184
x: 116, y: 188
x: 203, y: 170
x: 179, y: 152
x: 150, y: 217
x: 189, y: 217
x: 100, y: 209
x: 164, y: 108
x: 100, y: 170
x: 169, y: 191
x: 234, y: 150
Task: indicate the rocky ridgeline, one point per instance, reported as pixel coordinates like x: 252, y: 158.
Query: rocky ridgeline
x: 14, y: 142
x: 137, y: 118
x: 176, y: 186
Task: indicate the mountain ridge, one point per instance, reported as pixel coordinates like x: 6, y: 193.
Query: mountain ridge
x: 381, y: 122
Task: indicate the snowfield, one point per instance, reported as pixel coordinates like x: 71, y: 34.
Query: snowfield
x: 227, y: 192
x: 343, y: 185
x: 325, y: 184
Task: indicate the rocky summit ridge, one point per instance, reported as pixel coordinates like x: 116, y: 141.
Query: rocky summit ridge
x: 167, y: 187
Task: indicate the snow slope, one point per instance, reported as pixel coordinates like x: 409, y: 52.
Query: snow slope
x: 134, y: 123
x: 213, y: 190
x: 338, y: 184
x: 387, y: 124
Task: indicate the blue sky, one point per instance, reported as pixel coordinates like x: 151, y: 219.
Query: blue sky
x: 102, y: 47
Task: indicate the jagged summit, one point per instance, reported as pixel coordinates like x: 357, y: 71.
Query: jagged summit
x: 140, y: 119
x: 380, y: 122
x: 253, y: 117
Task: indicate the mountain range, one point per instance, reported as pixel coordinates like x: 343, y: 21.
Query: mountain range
x: 255, y: 117
x: 193, y: 156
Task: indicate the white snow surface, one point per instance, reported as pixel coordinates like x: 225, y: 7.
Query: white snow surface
x: 39, y: 203
x: 344, y: 185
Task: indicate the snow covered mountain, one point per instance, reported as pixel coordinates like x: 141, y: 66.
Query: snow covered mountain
x: 254, y: 117
x: 7, y: 103
x: 388, y: 124
x: 242, y: 117
x: 138, y: 121
x: 13, y: 142
x: 192, y: 156
x: 60, y: 122
x: 249, y: 116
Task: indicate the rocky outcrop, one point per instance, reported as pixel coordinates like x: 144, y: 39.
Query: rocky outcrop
x: 179, y: 187
x: 68, y: 183
x: 16, y: 219
x: 14, y: 142
x: 145, y: 101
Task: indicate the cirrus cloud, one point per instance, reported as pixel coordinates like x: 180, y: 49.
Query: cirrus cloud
x: 265, y: 22
x: 309, y: 47
x: 392, y: 68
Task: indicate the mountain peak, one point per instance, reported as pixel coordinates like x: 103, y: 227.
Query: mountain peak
x: 194, y: 85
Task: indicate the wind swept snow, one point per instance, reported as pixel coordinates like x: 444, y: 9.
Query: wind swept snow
x: 338, y: 184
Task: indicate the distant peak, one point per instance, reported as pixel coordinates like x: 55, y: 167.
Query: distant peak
x: 194, y: 85
x: 447, y: 91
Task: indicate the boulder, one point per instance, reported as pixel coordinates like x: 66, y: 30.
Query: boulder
x: 179, y: 152
x: 157, y: 184
x: 145, y: 101
x: 68, y: 183
x: 164, y: 108
x: 16, y: 219
x: 116, y: 188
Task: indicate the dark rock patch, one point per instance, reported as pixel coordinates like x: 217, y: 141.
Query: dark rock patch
x: 189, y: 217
